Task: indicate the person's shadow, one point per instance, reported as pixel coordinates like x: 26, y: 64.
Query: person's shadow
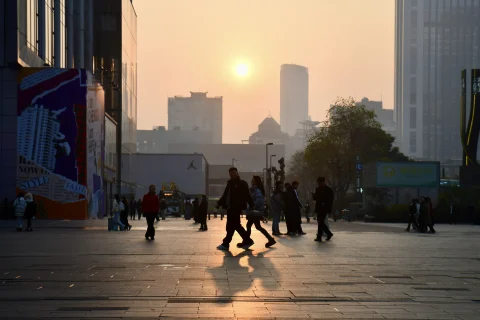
x: 238, y: 275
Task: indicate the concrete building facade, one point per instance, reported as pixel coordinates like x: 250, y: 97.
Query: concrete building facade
x: 293, y: 97
x: 197, y: 113
x: 434, y: 41
x: 158, y: 139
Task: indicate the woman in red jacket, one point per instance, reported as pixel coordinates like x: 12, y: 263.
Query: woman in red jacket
x: 150, y: 208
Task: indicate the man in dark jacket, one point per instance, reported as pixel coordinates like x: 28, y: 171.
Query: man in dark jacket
x: 203, y: 212
x: 323, y: 197
x: 293, y: 213
x: 150, y: 207
x: 235, y: 199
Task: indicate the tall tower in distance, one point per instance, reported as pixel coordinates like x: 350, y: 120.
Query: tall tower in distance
x: 293, y: 97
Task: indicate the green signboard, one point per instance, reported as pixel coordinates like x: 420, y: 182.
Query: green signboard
x: 408, y: 174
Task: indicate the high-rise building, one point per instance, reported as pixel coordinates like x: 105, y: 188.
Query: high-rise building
x: 293, y: 97
x: 196, y: 113
x: 434, y: 41
x: 115, y: 66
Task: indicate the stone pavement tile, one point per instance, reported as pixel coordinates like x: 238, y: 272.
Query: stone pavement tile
x: 235, y: 293
x: 273, y: 293
x: 318, y: 308
x: 394, y: 310
x: 310, y: 293
x: 189, y: 305
x: 351, y: 309
x: 328, y: 316
x: 66, y: 314
x: 434, y: 316
x: 181, y: 310
x: 353, y: 295
x: 354, y: 315
x: 406, y: 316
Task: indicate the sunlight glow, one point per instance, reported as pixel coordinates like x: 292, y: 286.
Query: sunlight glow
x: 241, y: 69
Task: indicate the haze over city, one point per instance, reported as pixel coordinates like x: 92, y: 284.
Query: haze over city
x: 235, y: 50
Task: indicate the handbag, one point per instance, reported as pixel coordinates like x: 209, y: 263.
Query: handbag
x: 254, y: 214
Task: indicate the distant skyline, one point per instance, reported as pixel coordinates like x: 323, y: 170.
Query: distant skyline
x: 185, y: 45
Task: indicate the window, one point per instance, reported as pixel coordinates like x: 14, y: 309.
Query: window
x: 413, y: 19
x: 413, y: 142
x: 413, y: 59
x: 31, y: 19
x: 413, y: 118
x: 413, y: 91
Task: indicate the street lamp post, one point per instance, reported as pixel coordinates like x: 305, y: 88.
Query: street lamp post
x: 267, y: 184
x: 271, y: 156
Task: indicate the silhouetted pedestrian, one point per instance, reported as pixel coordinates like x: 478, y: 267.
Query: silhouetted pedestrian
x: 323, y: 198
x: 30, y: 211
x: 203, y: 211
x: 150, y: 207
x: 255, y: 214
x: 20, y: 205
x: 235, y: 199
x: 278, y: 204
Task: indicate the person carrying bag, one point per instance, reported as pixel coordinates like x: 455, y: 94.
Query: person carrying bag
x: 256, y: 214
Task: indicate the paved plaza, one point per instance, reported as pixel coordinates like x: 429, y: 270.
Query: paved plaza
x: 77, y: 269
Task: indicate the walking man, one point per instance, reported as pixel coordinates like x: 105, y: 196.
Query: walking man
x: 150, y: 207
x: 133, y: 208
x: 323, y: 197
x: 235, y: 199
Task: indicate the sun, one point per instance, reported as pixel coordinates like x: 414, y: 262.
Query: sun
x: 241, y: 70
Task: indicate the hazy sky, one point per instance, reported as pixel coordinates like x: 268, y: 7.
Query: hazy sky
x: 191, y: 45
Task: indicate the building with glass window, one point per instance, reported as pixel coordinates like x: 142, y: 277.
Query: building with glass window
x: 115, y: 65
x: 60, y: 34
x: 434, y: 41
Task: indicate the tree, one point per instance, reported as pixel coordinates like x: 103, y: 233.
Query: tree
x: 350, y: 132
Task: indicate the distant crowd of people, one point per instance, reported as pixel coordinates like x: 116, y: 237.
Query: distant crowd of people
x: 238, y: 197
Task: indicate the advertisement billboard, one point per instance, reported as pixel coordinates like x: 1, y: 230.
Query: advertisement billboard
x: 60, y: 141
x: 408, y: 174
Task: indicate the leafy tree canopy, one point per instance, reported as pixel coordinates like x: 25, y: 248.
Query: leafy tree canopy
x: 350, y: 132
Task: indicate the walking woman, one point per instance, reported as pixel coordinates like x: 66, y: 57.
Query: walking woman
x: 116, y: 213
x: 257, y: 192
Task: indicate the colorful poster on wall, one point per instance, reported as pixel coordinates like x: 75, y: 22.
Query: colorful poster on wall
x: 52, y: 140
x: 95, y: 147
